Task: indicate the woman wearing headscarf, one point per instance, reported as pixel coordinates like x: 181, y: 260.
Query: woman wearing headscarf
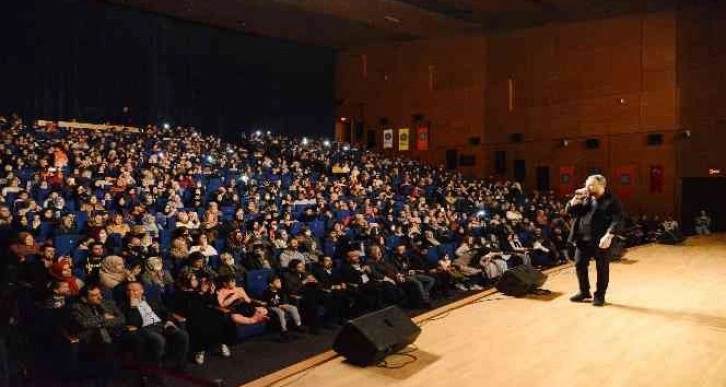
x: 62, y: 271
x: 113, y: 272
x: 154, y: 273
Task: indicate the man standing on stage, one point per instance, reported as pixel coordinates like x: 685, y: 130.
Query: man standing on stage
x: 597, y: 214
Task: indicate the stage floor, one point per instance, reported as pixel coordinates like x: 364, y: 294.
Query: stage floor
x: 664, y: 325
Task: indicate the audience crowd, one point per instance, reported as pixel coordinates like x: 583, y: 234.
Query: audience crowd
x: 162, y: 245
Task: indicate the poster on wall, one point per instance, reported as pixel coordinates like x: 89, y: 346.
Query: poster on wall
x: 388, y: 139
x: 567, y: 180
x: 625, y: 182
x: 403, y: 138
x: 656, y: 179
x: 422, y: 138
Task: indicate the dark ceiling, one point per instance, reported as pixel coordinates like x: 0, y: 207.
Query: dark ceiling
x: 342, y: 23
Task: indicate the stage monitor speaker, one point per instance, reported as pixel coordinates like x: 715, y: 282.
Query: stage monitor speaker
x: 520, y: 280
x: 370, y: 338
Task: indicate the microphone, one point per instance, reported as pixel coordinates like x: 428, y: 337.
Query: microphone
x: 581, y: 193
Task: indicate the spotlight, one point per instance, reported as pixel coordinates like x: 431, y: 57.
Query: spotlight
x: 346, y: 148
x: 305, y: 141
x: 258, y: 133
x: 166, y: 125
x: 268, y: 132
x: 326, y: 143
x: 244, y: 178
x: 481, y: 214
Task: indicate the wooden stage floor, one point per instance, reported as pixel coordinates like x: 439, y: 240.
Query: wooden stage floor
x: 664, y: 325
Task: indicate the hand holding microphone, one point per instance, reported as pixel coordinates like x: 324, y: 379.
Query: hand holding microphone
x: 580, y: 195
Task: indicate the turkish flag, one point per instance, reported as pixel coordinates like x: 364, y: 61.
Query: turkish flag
x: 422, y: 138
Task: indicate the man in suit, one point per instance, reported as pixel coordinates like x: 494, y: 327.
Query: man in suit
x: 597, y: 214
x: 156, y: 332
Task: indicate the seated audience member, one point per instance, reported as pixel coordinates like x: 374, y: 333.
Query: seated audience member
x: 459, y: 279
x: 305, y: 292
x: 466, y: 255
x: 278, y: 302
x: 208, y: 327
x: 671, y: 231
x: 157, y: 333
x: 62, y: 271
x: 357, y: 277
x: 202, y: 245
x: 197, y: 264
x: 260, y: 258
x: 291, y: 252
x: 98, y: 324
x: 154, y: 274
x: 228, y: 268
x: 413, y: 275
x: 93, y: 262
x: 244, y: 310
x: 114, y: 272
x: 703, y: 223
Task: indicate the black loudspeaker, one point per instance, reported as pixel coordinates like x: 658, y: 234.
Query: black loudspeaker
x: 370, y: 338
x: 516, y: 137
x: 520, y: 280
x: 592, y: 143
x: 474, y: 141
x: 655, y: 139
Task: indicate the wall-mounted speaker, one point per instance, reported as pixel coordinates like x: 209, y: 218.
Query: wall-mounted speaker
x: 655, y: 139
x: 592, y: 143
x: 474, y: 141
x: 516, y: 137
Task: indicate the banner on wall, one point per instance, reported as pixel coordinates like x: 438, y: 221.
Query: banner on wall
x: 567, y: 180
x: 388, y: 139
x: 625, y: 176
x: 403, y: 138
x: 422, y: 138
x: 656, y: 178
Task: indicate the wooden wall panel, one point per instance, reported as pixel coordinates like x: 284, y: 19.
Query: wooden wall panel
x: 701, y: 56
x: 613, y: 79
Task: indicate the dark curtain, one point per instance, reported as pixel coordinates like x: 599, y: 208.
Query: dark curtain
x: 65, y: 59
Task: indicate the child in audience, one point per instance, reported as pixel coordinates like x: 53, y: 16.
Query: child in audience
x: 278, y: 303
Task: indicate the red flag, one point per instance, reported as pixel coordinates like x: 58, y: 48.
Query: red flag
x: 422, y: 138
